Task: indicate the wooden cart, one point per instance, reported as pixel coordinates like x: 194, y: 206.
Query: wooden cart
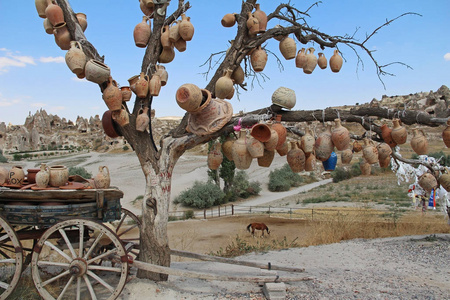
x: 74, y: 240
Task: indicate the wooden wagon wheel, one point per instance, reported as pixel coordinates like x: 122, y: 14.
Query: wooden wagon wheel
x: 65, y: 262
x: 11, y: 259
x: 128, y: 229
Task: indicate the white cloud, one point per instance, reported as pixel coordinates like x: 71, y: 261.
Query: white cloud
x: 58, y: 59
x: 11, y: 60
x: 38, y: 104
x: 56, y: 108
x: 447, y: 56
x: 4, y: 102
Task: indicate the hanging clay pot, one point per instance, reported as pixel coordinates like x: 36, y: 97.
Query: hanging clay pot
x: 258, y: 59
x: 42, y: 177
x: 16, y: 176
x: 41, y: 5
x: 108, y: 125
x: 385, y: 162
x: 324, y: 145
x: 227, y: 147
x: 82, y: 20
x: 307, y: 141
x: 148, y: 3
x: 228, y: 20
x: 241, y: 157
x: 161, y: 71
x: 165, y: 34
x: 322, y: 61
x: 384, y: 151
x: 330, y: 163
x: 48, y: 26
x: 186, y: 29
x: 112, y: 95
x: 142, y: 119
x: 148, y: 11
x: 357, y: 147
x: 446, y: 134
x: 230, y: 95
x: 340, y: 136
x: 288, y: 48
x: 419, y: 142
x: 386, y: 135
x: 283, y: 149
x: 336, y: 62
x: 284, y: 97
x: 399, y: 133
x: 224, y: 85
x: 252, y: 24
x: 142, y: 86
x: 272, y: 143
x: 300, y: 59
x: 261, y: 132
x: 444, y: 180
x: 296, y: 158
x: 346, y: 156
x: 370, y: 152
x: 167, y: 55
x: 142, y: 32
x: 59, y: 175
x: 174, y: 32
x: 121, y: 116
x: 126, y: 93
x: 62, y: 36
x: 132, y: 81
x: 54, y: 13
x: 154, y: 85
x: 4, y: 174
x: 427, y: 181
x: 96, y: 71
x: 189, y: 97
x: 310, y: 162
x: 261, y: 17
x: 102, y: 179
x: 278, y: 37
x: 75, y: 58
x: 311, y: 61
x: 267, y: 158
x: 238, y: 75
x: 281, y: 131
x: 365, y: 167
x: 215, y: 157
x: 180, y: 45
x: 254, y: 147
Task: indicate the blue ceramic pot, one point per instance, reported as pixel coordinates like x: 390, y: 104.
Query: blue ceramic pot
x: 330, y: 163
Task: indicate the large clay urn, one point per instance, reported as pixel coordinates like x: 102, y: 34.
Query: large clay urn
x: 384, y: 151
x: 82, y: 20
x: 241, y: 157
x: 446, y: 134
x: 142, y: 86
x: 189, y: 97
x: 215, y: 157
x: 261, y: 132
x: 238, y: 75
x: 296, y: 158
x: 310, y: 162
x: 42, y: 177
x: 142, y: 32
x: 300, y: 59
x: 444, y: 180
x: 311, y: 61
x: 186, y: 29
x: 330, y: 163
x: 281, y: 131
x: 254, y: 147
x: 324, y: 145
x: 386, y: 135
x: 112, y: 95
x: 288, y: 48
x: 346, y: 156
x: 227, y: 147
x: 336, y: 62
x: 272, y: 143
x: 419, y: 142
x: 16, y: 176
x: 340, y: 136
x: 224, y: 85
x: 154, y: 85
x: 62, y: 36
x: 4, y: 174
x: 102, y: 179
x: 261, y: 17
x: 252, y: 24
x: 41, y: 5
x: 399, y: 133
x: 267, y: 158
x: 283, y: 149
x: 59, y: 175
x: 427, y: 181
x: 96, y: 71
x: 142, y: 120
x: 258, y: 59
x: 322, y: 61
x: 308, y: 141
x: 54, y: 13
x: 75, y: 58
x: 370, y: 152
x: 365, y: 168
x: 228, y: 20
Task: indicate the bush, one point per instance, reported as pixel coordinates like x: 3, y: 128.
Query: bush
x: 341, y: 173
x: 189, y: 214
x: 283, y: 179
x: 201, y: 195
x: 17, y: 157
x: 80, y: 171
x: 2, y: 158
x: 243, y: 188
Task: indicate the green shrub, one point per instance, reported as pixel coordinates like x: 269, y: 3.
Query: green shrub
x: 189, y: 214
x: 2, y: 158
x: 201, y: 195
x: 283, y: 179
x: 80, y: 171
x: 243, y: 188
x: 341, y: 173
x: 17, y: 157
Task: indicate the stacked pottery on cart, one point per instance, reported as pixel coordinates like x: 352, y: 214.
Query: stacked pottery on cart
x: 102, y: 179
x: 59, y: 175
x: 43, y: 176
x: 16, y: 176
x: 4, y: 174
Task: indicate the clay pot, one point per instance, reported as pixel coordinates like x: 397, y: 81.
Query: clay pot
x: 370, y: 152
x: 310, y: 162
x: 189, y: 97
x: 154, y: 85
x: 324, y: 145
x: 419, y: 142
x: 161, y: 71
x: 357, y: 147
x: 167, y: 55
x: 340, y: 136
x: 283, y: 149
x: 227, y: 147
x: 165, y: 33
x: 174, y: 32
x: 148, y: 11
x: 261, y: 132
x: 4, y: 175
x: 224, y: 85
x: 281, y: 131
x: 112, y: 95
x: 385, y: 162
x: 241, y: 157
x: 272, y: 143
x: 142, y: 119
x: 148, y: 3
x: 444, y: 180
x: 215, y: 157
x: 121, y: 116
x: 284, y: 97
x: 330, y: 163
x: 428, y: 182
x: 346, y: 156
x: 59, y: 175
x: 43, y: 176
x: 210, y: 117
x: 31, y: 175
x: 261, y: 17
x: 142, y: 86
x: 132, y: 81
x: 102, y: 180
x: 54, y: 13
x: 62, y: 36
x: 108, y: 125
x: 142, y: 32
x: 238, y: 75
x: 386, y: 135
x: 228, y: 20
x: 16, y: 176
x: 307, y: 141
x: 384, y: 151
x: 254, y: 147
x: 82, y: 20
x: 180, y: 45
x: 399, y: 133
x: 258, y: 59
x: 365, y: 167
x: 296, y: 158
x: 288, y: 48
x: 126, y: 93
x: 278, y: 37
x: 336, y: 62
x: 41, y: 5
x: 252, y: 24
x: 322, y: 61
x: 311, y: 61
x: 446, y: 134
x: 48, y: 26
x: 75, y: 58
x: 267, y: 158
x: 186, y: 29
x: 96, y: 71
x: 300, y: 59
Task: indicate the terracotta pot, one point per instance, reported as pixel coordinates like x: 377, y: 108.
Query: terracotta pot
x: 261, y: 17
x: 227, y: 148
x: 384, y: 151
x: 82, y: 20
x: 346, y: 156
x: 43, y: 176
x: 444, y: 180
x: 54, y: 13
x: 41, y: 5
x: 330, y: 163
x: 189, y: 97
x: 215, y: 157
x: 281, y: 131
x: 267, y: 158
x: 230, y: 95
x: 386, y: 135
x: 102, y: 180
x: 357, y: 147
x: 112, y: 95
x: 132, y: 81
x: 62, y: 36
x: 142, y: 86
x: 427, y: 181
x: 254, y: 147
x: 148, y: 11
x: 142, y: 32
x: 300, y: 59
x: 108, y: 125
x: 399, y: 133
x: 310, y: 162
x: 4, y: 175
x: 446, y: 134
x: 186, y: 29
x: 210, y: 118
x: 419, y: 142
x: 296, y: 158
x: 336, y: 62
x: 121, y: 116
x: 307, y: 141
x: 284, y: 97
x: 180, y: 45
x: 238, y: 75
x: 167, y: 55
x: 384, y: 163
x: 31, y: 175
x: 278, y: 37
x: 283, y: 149
x: 365, y: 167
x: 96, y: 71
x: 258, y: 59
x: 126, y: 93
x: 48, y: 26
x: 174, y: 32
x: 161, y: 71
x: 288, y: 48
x: 370, y: 152
x: 148, y: 3
x: 261, y: 132
x: 16, y: 176
x: 241, y: 157
x: 340, y: 136
x: 154, y: 85
x: 311, y: 61
x: 272, y: 143
x: 142, y: 119
x: 165, y: 33
x: 75, y: 58
x: 59, y: 175
x: 252, y: 24
x: 224, y: 85
x: 228, y: 20
x: 322, y: 61
x: 324, y: 145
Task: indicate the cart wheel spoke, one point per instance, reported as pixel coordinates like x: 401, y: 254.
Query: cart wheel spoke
x: 89, y: 286
x: 68, y: 243
x: 81, y: 242
x: 94, y: 244
x: 107, y: 253
x: 58, y: 250
x: 104, y: 268
x: 4, y: 285
x: 65, y: 288
x: 101, y: 281
x: 52, y: 263
x: 78, y: 288
x: 55, y: 278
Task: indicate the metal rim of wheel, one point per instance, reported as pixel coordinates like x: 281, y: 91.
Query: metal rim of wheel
x: 65, y: 263
x: 11, y: 256
x: 122, y: 227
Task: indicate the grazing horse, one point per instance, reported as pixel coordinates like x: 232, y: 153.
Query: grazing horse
x: 258, y: 226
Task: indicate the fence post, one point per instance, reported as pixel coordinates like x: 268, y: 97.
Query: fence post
x: 269, y: 211
x: 312, y: 214
x: 232, y: 209
x: 219, y: 210
x: 290, y: 213
x: 204, y: 213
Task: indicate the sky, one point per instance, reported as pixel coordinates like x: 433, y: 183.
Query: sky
x: 34, y: 75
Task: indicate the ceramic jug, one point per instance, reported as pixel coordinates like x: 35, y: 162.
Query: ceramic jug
x: 296, y: 158
x: 336, y: 62
x: 42, y: 177
x: 215, y: 157
x: 340, y: 136
x: 142, y: 32
x: 102, y: 180
x: 288, y: 48
x: 142, y: 119
x: 419, y: 142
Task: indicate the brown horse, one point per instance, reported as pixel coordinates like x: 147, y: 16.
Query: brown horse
x: 258, y: 226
